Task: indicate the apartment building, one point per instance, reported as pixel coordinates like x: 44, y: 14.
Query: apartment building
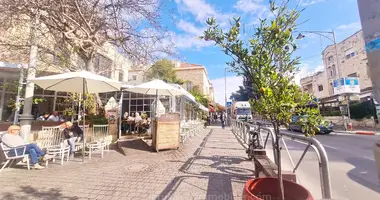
x: 316, y: 84
x: 347, y: 59
x: 196, y: 76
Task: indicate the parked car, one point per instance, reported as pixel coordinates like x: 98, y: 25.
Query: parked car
x: 294, y: 126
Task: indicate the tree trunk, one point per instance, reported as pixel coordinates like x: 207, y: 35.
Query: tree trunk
x: 279, y: 168
x: 90, y: 67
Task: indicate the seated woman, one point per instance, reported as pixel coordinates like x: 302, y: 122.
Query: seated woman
x: 72, y: 133
x: 124, y: 124
x: 13, y: 140
x: 138, y: 121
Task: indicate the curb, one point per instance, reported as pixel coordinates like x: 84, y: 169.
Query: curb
x: 365, y: 133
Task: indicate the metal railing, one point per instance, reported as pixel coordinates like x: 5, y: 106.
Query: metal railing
x: 241, y: 129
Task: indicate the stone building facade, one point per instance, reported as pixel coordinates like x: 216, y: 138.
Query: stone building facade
x: 350, y: 60
x: 195, y: 76
x: 316, y: 84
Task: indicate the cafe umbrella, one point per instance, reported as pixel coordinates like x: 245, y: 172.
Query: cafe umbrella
x: 83, y: 82
x: 156, y: 87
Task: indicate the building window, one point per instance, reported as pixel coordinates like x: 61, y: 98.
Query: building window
x: 134, y: 77
x: 320, y: 88
x: 353, y: 75
x: 188, y: 86
x: 330, y: 58
x: 121, y: 76
x: 348, y: 56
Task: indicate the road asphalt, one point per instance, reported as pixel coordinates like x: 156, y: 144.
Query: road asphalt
x: 351, y: 163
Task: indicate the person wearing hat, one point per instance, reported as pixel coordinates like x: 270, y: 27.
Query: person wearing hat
x: 72, y: 133
x: 13, y: 140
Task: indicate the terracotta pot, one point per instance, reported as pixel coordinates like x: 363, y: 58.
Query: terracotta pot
x: 267, y: 189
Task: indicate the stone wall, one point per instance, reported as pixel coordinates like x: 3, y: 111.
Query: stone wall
x: 338, y: 121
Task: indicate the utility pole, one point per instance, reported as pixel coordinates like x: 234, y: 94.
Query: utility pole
x: 26, y: 118
x: 225, y: 86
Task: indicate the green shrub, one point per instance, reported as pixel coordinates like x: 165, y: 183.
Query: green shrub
x: 97, y: 119
x: 361, y: 110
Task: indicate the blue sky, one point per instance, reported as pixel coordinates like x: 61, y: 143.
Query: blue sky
x: 320, y: 15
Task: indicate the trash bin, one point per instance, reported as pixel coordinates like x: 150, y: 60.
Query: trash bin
x: 376, y: 151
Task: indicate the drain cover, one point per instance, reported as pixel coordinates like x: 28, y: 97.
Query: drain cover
x: 136, y: 167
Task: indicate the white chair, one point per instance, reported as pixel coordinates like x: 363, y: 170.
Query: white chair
x: 16, y: 156
x: 51, y: 138
x: 99, y: 141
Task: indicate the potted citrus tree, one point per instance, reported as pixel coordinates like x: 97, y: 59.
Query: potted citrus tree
x: 267, y: 59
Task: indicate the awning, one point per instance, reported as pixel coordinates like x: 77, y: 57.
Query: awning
x: 202, y: 107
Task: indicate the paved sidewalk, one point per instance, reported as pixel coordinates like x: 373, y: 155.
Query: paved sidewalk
x: 211, y: 166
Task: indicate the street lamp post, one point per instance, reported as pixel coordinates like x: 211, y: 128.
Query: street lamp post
x: 333, y: 39
x: 225, y: 87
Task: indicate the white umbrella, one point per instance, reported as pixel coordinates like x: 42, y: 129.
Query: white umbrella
x: 78, y: 82
x: 156, y: 87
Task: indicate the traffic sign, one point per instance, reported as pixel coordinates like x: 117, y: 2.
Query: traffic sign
x: 228, y: 103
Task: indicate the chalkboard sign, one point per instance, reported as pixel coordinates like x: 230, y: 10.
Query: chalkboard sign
x: 169, y: 117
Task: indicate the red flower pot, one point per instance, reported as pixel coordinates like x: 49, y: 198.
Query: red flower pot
x: 267, y: 189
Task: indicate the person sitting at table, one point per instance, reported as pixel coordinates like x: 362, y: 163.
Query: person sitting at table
x: 43, y: 117
x: 131, y: 121
x: 138, y: 121
x: 72, y: 133
x: 12, y: 139
x: 124, y: 124
x: 54, y: 117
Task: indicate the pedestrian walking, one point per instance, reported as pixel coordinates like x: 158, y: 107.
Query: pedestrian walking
x: 223, y: 119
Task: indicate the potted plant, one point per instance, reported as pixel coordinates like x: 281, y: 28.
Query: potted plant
x: 267, y: 60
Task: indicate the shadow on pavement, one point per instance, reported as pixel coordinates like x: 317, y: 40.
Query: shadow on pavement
x: 136, y: 145
x: 27, y: 192
x: 219, y: 183
x: 358, y: 175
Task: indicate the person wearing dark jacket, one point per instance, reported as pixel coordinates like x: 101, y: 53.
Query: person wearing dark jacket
x: 72, y: 133
x: 223, y: 119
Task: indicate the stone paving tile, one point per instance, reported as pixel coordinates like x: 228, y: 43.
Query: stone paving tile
x: 211, y: 166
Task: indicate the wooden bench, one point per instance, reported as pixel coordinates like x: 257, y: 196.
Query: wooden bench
x: 266, y: 167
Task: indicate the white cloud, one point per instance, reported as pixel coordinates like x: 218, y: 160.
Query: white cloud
x: 355, y: 25
x: 249, y: 5
x: 201, y: 10
x: 319, y: 68
x: 310, y: 2
x: 306, y: 70
x: 187, y: 41
x: 233, y: 83
x: 189, y: 28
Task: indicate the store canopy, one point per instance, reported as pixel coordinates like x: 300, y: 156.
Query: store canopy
x: 186, y: 93
x: 202, y: 107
